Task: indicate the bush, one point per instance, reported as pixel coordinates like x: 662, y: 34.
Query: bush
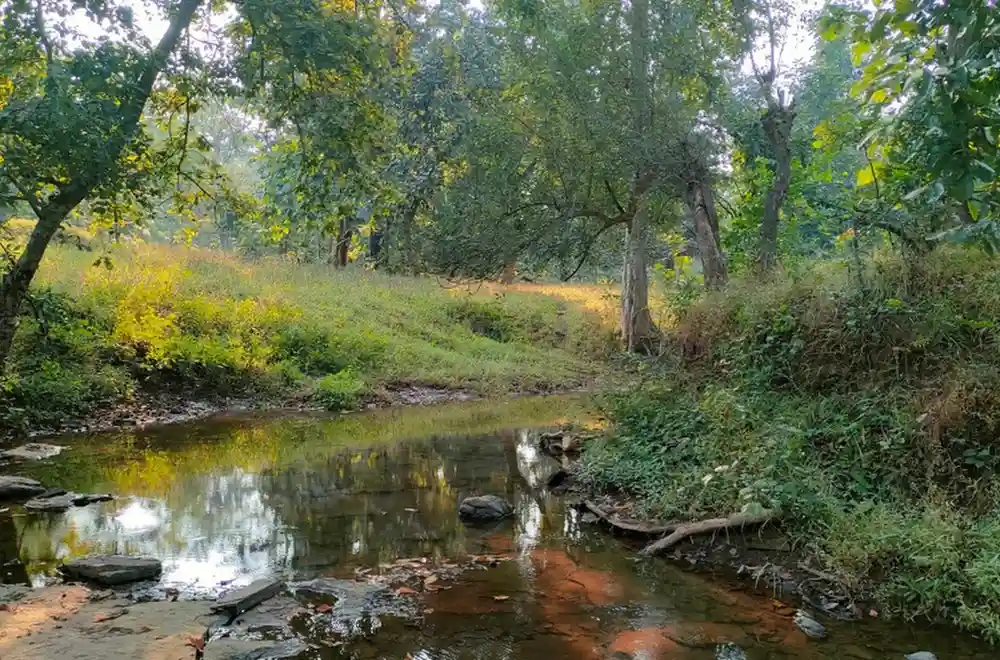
x: 862, y: 405
x: 339, y: 391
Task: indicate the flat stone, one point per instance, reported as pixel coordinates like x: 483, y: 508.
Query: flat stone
x: 921, y: 655
x: 33, y: 451
x: 484, y: 508
x: 240, y: 600
x: 10, y: 593
x: 84, y: 500
x: 17, y: 488
x: 52, y: 504
x: 113, y: 569
x: 237, y: 649
x: 271, y: 620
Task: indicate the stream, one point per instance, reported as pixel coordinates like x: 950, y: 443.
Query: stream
x: 238, y: 497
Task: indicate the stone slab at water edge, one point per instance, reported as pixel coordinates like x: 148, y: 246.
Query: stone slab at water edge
x: 484, y: 508
x: 19, y: 488
x: 240, y: 600
x: 113, y: 569
x: 33, y: 451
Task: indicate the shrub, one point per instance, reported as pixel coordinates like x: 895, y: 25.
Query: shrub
x: 339, y: 391
x: 861, y: 404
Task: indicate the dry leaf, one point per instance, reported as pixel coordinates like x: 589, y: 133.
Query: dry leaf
x: 196, y: 641
x: 405, y: 591
x: 323, y: 608
x: 428, y: 611
x: 501, y: 598
x: 430, y: 579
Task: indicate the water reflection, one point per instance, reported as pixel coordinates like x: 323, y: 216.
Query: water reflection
x: 298, y: 497
x: 226, y: 502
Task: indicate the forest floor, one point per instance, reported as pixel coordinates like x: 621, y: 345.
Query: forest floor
x: 159, y: 333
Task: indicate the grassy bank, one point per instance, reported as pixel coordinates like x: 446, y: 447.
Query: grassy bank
x: 202, y: 323
x: 864, y: 406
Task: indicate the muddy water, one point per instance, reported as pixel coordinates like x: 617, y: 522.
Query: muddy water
x: 225, y: 501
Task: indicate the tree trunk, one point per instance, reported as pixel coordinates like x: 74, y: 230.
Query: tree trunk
x: 408, y: 247
x: 778, y: 127
x: 701, y: 204
x: 343, y: 244
x: 14, y: 287
x: 52, y: 212
x: 639, y: 333
x: 637, y: 328
x: 509, y: 272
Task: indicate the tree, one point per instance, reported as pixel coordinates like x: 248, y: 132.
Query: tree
x: 929, y: 82
x: 70, y: 123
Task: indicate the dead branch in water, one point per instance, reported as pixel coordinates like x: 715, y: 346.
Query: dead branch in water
x: 627, y: 526
x: 685, y: 530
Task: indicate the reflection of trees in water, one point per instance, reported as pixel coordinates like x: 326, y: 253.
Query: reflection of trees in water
x: 348, y: 505
x: 12, y: 570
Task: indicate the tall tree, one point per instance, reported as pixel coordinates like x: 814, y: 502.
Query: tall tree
x: 70, y: 121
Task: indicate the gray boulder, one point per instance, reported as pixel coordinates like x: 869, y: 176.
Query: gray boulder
x: 921, y: 655
x: 33, y: 451
x: 18, y: 488
x: 484, y: 508
x: 113, y: 569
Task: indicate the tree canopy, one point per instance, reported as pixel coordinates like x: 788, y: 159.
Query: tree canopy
x: 549, y: 138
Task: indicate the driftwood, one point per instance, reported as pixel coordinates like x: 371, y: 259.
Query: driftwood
x: 685, y: 530
x: 628, y: 526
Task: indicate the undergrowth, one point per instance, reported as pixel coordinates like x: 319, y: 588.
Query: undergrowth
x: 204, y: 323
x: 864, y: 406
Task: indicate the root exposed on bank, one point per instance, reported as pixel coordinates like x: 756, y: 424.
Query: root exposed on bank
x: 685, y: 530
x: 629, y: 526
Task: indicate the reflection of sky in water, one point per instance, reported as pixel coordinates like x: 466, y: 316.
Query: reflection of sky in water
x: 227, y: 535
x: 230, y: 525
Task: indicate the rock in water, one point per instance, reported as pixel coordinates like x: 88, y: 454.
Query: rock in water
x: 113, y: 569
x: 240, y: 600
x: 810, y: 626
x: 33, y: 451
x: 921, y: 655
x: 17, y: 488
x: 52, y: 503
x: 232, y: 649
x: 729, y: 652
x: 484, y: 508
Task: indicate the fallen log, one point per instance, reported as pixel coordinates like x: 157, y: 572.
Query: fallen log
x: 628, y: 526
x: 685, y: 530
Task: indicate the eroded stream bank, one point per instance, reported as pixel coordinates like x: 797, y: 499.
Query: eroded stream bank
x: 359, y: 498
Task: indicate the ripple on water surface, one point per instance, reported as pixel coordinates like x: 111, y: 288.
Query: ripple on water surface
x: 229, y: 500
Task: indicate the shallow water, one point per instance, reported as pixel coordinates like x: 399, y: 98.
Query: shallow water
x: 224, y: 501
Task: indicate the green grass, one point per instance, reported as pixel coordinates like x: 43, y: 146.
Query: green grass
x: 863, y: 406
x: 205, y: 323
